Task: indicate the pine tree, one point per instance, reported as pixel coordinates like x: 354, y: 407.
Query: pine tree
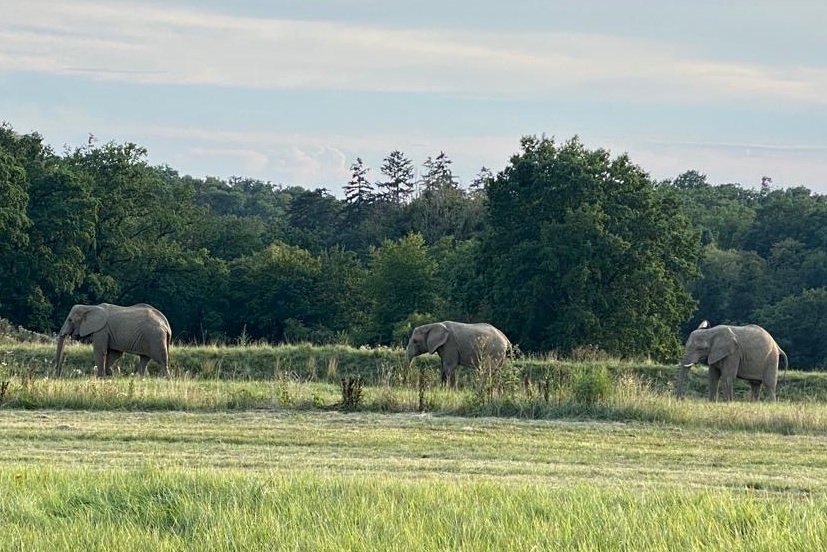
x: 359, y: 191
x: 438, y: 176
x: 399, y: 172
x: 481, y: 179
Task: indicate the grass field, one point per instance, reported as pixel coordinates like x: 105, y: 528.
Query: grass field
x: 296, y: 480
x: 251, y: 449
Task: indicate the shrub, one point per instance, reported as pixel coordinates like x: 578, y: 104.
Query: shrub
x: 590, y: 385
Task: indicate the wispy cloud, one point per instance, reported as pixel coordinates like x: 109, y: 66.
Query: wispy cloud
x: 320, y: 159
x: 159, y: 44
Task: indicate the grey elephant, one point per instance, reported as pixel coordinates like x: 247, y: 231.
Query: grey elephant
x: 459, y: 344
x: 745, y: 352
x: 114, y: 330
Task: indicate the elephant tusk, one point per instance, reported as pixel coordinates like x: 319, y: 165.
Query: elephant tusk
x: 690, y: 365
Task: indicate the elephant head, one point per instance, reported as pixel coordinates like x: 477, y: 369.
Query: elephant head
x: 709, y: 346
x: 82, y: 321
x: 427, y: 339
x: 702, y: 346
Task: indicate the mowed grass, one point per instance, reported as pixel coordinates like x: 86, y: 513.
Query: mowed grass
x: 284, y: 479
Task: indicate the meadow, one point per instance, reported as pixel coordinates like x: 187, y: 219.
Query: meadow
x: 216, y: 460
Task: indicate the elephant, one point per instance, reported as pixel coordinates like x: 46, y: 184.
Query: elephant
x: 746, y: 352
x: 140, y: 329
x: 459, y: 344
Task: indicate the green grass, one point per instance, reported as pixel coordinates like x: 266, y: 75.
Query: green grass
x: 331, y: 481
x: 629, y: 399
x: 248, y: 448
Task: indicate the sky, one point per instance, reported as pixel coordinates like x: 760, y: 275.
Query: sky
x: 293, y: 91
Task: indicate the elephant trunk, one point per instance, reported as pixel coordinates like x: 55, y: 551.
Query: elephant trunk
x: 58, y: 362
x: 683, y: 377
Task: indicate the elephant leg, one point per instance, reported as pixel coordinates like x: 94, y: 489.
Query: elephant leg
x: 714, y: 378
x: 449, y: 374
x: 112, y: 357
x: 770, y: 383
x: 770, y: 387
x: 163, y: 363
x: 729, y: 369
x: 756, y: 390
x: 144, y: 362
x: 100, y: 346
x: 100, y: 362
x: 443, y: 376
x: 729, y: 384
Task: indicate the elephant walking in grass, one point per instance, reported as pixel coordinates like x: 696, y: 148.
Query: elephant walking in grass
x: 745, y: 352
x: 114, y: 330
x: 459, y: 344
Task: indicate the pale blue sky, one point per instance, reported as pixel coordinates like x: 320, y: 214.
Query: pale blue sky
x: 293, y: 91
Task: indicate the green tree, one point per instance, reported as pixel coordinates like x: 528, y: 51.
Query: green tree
x: 359, y: 192
x: 399, y: 174
x: 583, y: 249
x: 481, y: 180
x: 442, y: 207
x: 229, y: 237
x: 144, y: 223
x: 400, y: 281
x: 734, y: 285
x: 362, y: 223
x: 722, y: 214
x: 314, y: 218
x: 341, y: 294
x: 46, y: 264
x: 272, y: 289
x: 797, y: 322
x: 791, y: 213
x: 462, y: 294
x: 63, y: 214
x: 14, y: 223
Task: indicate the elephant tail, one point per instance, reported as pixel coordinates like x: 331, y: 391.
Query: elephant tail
x: 783, y: 355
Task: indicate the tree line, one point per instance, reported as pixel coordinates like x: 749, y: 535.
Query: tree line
x: 565, y: 248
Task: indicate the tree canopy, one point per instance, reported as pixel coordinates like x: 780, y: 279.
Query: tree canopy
x: 583, y: 249
x: 565, y: 247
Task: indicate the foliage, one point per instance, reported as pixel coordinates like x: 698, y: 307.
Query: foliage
x: 579, y: 244
x: 591, y: 385
x: 566, y: 247
x: 399, y: 173
x: 400, y: 281
x: 722, y: 215
x: 797, y: 323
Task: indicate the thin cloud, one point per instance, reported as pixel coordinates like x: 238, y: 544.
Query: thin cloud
x: 161, y: 45
x: 249, y: 161
x: 802, y: 149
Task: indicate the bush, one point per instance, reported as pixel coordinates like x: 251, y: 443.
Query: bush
x: 590, y: 385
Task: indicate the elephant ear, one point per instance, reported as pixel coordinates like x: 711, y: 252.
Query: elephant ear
x: 723, y: 344
x: 437, y: 336
x: 93, y: 321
